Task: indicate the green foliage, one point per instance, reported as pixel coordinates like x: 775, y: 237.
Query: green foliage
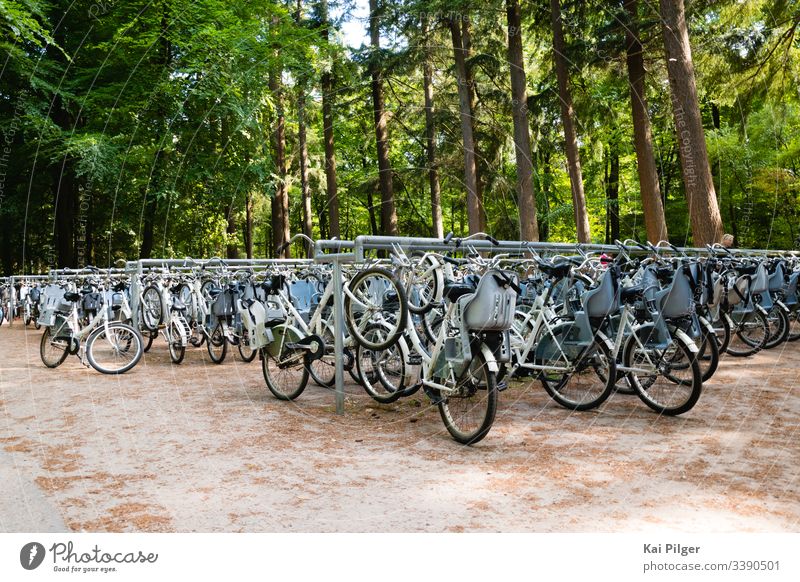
x: 160, y: 115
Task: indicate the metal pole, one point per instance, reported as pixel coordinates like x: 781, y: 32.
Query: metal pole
x: 338, y: 334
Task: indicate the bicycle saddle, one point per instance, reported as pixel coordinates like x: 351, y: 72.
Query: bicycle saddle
x: 556, y: 270
x: 453, y: 290
x: 213, y: 291
x: 73, y: 297
x: 177, y: 304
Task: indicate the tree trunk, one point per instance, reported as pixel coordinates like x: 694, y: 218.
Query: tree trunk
x: 612, y: 195
x: 699, y: 185
x: 232, y: 249
x: 388, y: 213
x: 654, y: 220
x: 568, y: 120
x: 430, y: 134
x: 280, y: 200
x: 64, y: 190
x: 327, y: 130
x: 248, y: 224
x: 528, y: 227
x: 308, y: 225
x: 466, y: 45
x: 470, y: 170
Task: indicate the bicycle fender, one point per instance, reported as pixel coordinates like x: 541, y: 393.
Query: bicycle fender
x: 601, y: 337
x: 761, y: 310
x: 490, y: 360
x: 689, y: 341
x: 706, y: 324
x: 782, y: 305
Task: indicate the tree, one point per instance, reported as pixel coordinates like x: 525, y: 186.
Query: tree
x: 474, y: 206
x: 698, y: 183
x: 430, y: 132
x: 568, y: 121
x: 528, y: 227
x: 655, y: 223
x: 388, y: 213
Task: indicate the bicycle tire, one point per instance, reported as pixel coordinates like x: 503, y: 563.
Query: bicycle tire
x: 286, y: 382
x: 371, y: 288
x: 590, y: 383
x: 57, y: 355
x: 779, y: 327
x: 216, y: 340
x: 477, y: 392
x: 383, y: 372
x: 177, y: 350
x: 121, y: 333
x: 794, y: 326
x: 424, y: 287
x: 152, y: 308
x: 660, y: 388
x: 748, y: 336
x: 246, y: 353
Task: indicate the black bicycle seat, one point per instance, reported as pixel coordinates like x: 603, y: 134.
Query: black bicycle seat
x: 453, y: 291
x: 556, y: 270
x: 69, y: 296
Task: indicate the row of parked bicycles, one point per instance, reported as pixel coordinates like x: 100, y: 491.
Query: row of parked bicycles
x: 459, y: 323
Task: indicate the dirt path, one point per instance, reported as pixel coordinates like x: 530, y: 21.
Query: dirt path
x: 200, y: 447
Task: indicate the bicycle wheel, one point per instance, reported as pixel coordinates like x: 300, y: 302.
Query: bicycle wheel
x: 247, y: 353
x: 794, y: 325
x: 152, y: 314
x: 424, y: 284
x: 749, y: 334
x: 148, y: 337
x: 722, y: 330
x: 382, y: 372
x: 668, y: 380
x: 374, y: 296
x: 284, y: 368
x: 323, y: 370
x: 177, y: 349
x: 707, y: 354
x: 217, y: 344
x: 53, y: 350
x: 590, y: 374
x: 114, y: 349
x: 778, y: 327
x: 468, y: 413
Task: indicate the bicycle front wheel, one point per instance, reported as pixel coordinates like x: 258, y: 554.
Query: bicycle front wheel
x: 284, y: 367
x: 53, y: 350
x: 114, y: 349
x: 749, y: 334
x: 667, y: 379
x: 469, y: 412
x: 375, y: 297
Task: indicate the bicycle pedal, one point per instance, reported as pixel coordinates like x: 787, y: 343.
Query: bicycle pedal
x: 502, y: 386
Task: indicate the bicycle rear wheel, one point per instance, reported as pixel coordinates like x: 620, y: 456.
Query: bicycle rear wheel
x: 469, y: 413
x: 114, y: 349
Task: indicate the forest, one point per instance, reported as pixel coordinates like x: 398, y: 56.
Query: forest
x: 170, y: 128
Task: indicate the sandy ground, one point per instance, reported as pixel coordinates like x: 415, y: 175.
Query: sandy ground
x: 201, y: 447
